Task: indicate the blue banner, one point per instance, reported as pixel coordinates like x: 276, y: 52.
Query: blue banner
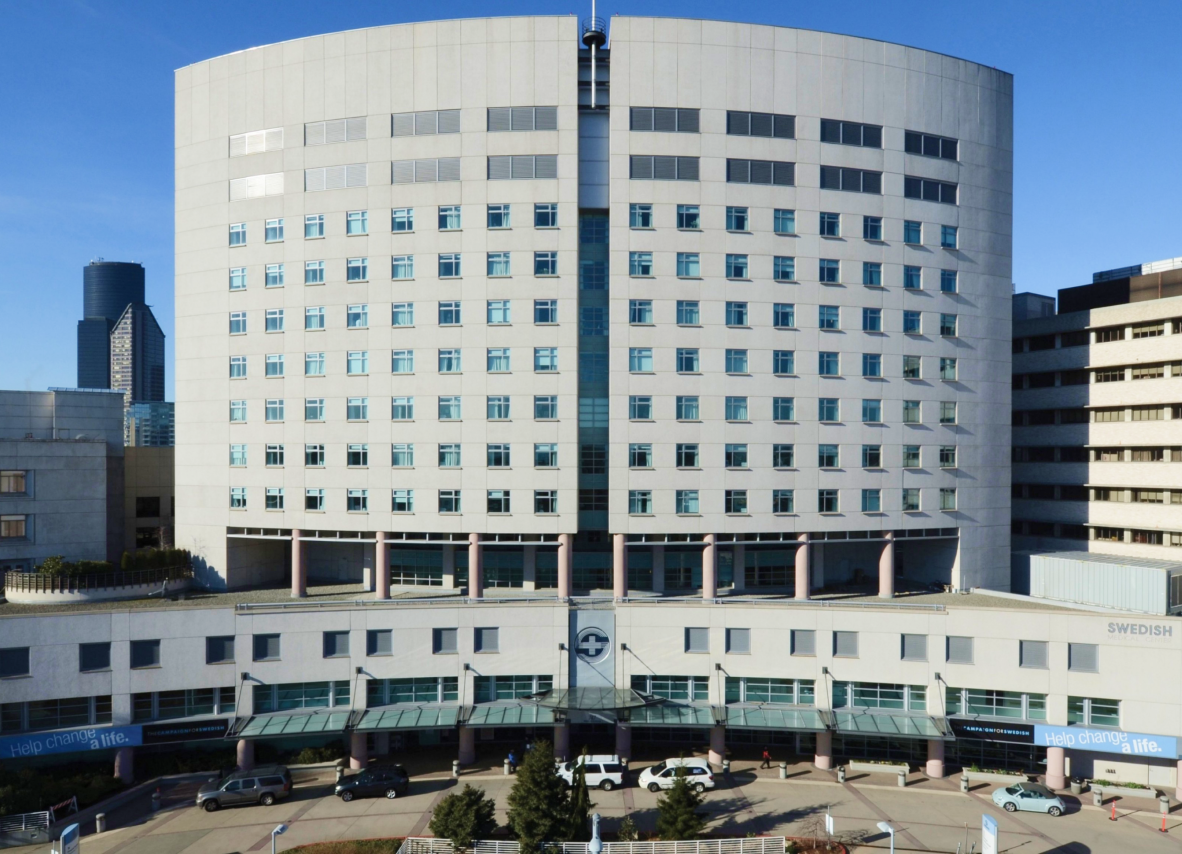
x: 1106, y: 741
x: 69, y: 741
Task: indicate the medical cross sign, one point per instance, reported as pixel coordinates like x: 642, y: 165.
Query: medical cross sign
x: 592, y: 644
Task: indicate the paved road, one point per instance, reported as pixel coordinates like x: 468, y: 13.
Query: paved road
x: 928, y: 815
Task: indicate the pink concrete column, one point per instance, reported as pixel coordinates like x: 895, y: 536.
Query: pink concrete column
x: 245, y: 754
x: 475, y: 567
x: 717, y: 745
x: 561, y: 741
x: 1056, y: 767
x: 381, y: 565
x: 299, y: 570
x: 566, y: 544
x: 935, y: 766
x: 358, y: 751
x: 619, y: 567
x: 467, y: 745
x: 824, y: 756
x: 886, y: 569
x: 802, y: 568
x: 125, y: 765
x: 709, y: 568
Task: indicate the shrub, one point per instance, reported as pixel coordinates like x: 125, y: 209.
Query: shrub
x: 627, y: 830
x: 32, y: 789
x: 330, y: 752
x: 464, y: 817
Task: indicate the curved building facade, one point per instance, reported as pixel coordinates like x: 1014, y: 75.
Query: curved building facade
x: 742, y: 324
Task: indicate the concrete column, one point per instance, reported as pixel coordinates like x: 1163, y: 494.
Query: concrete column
x: 467, y: 745
x: 449, y: 567
x: 619, y: 567
x: 381, y: 566
x: 1178, y: 784
x: 561, y: 741
x: 125, y: 765
x: 299, y: 570
x: 709, y: 568
x: 802, y: 571
x: 824, y: 756
x: 935, y: 767
x: 886, y: 571
x: 358, y: 751
x: 529, y: 568
x: 717, y: 745
x: 658, y: 569
x: 623, y: 739
x: 245, y: 754
x: 1056, y: 770
x: 475, y: 567
x: 739, y: 560
x: 566, y: 544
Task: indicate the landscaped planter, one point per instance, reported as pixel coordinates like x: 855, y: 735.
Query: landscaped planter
x: 31, y: 588
x: 995, y: 777
x: 876, y: 768
x: 1125, y: 792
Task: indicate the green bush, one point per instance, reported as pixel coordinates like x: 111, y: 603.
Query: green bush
x: 314, y: 755
x: 32, y: 789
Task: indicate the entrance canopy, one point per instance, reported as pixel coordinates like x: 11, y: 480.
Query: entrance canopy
x: 595, y: 699
x: 279, y: 725
x: 509, y: 714
x: 673, y: 715
x: 775, y: 717
x: 407, y: 716
x: 897, y: 726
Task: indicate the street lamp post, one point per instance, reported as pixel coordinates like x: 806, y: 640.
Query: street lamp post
x: 279, y: 831
x: 886, y: 828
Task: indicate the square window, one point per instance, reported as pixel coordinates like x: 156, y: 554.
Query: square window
x: 689, y: 265
x: 872, y: 228
x: 783, y: 362
x: 313, y: 226
x: 545, y: 359
x: 357, y: 500
x: 498, y: 264
x: 449, y: 408
x: 237, y: 278
x: 687, y: 408
x: 449, y: 217
x: 911, y: 278
x: 872, y: 320
x: 545, y: 311
x: 828, y: 364
x: 402, y: 267
x: 948, y: 281
x: 911, y: 412
x: 546, y: 216
x: 827, y: 456
x: 640, y: 216
x: 314, y: 409
x: 783, y: 501
x: 872, y: 274
x: 736, y: 361
x: 947, y: 412
x: 830, y: 224
x: 736, y: 219
x: 828, y: 409
x: 688, y: 217
x: 686, y: 501
x: 911, y: 367
x: 640, y: 360
x: 872, y: 456
x: 735, y: 501
x: 688, y: 313
x: 784, y: 221
x: 827, y: 501
x: 640, y: 502
x: 736, y: 266
x: 498, y: 501
x: 402, y: 409
x: 145, y: 653
x: 911, y: 322
x: 545, y: 407
x: 314, y: 500
x: 828, y: 317
x: 784, y: 269
x: 912, y: 232
x: 947, y: 368
x: 357, y: 270
x: 828, y: 271
x: 871, y: 365
x: 640, y: 408
x: 402, y: 220
x: 449, y: 313
x: 738, y: 641
x: 91, y: 657
x: 784, y: 315
x: 444, y: 641
x: 357, y: 222
x: 947, y: 499
x: 498, y: 216
x: 449, y: 266
x: 910, y: 500
x: 948, y: 325
x: 640, y: 263
x: 238, y: 234
x: 736, y: 314
x: 401, y: 455
x: 219, y: 649
x: 736, y: 409
x: 545, y: 263
x: 336, y: 644
x: 640, y: 311
x: 871, y: 500
x: 948, y: 236
x: 783, y: 456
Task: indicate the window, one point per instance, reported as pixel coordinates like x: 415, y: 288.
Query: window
x: 237, y: 410
x: 357, y: 456
x: 689, y: 265
x: 237, y: 367
x: 403, y: 267
x: 313, y: 226
x: 498, y: 264
x: 314, y: 409
x: 498, y: 455
x: 498, y: 501
x: 545, y: 501
x: 1084, y: 657
x: 546, y: 216
x: 273, y: 457
x: 449, y: 457
x: 735, y: 456
x: 687, y: 408
x: 14, y: 661
x: 736, y: 409
x: 314, y: 500
x: 947, y: 412
x: 336, y: 644
x: 830, y: 224
x: 444, y: 641
x: 872, y: 228
x: 736, y: 361
x: 402, y: 408
x: 592, y: 322
x: 947, y: 368
x: 545, y: 359
x: 640, y: 502
x: 402, y: 220
x: 828, y: 409
x: 497, y: 360
x: 911, y: 412
x: 929, y: 190
x: 145, y: 653
x: 686, y: 502
x: 237, y: 278
x: 912, y: 278
x: 910, y: 500
x: 688, y: 313
x: 783, y: 456
x: 402, y: 456
x: 948, y: 456
x: 449, y: 361
x: 735, y: 501
x: 379, y: 642
x: 783, y: 362
x: 449, y: 408
x: 947, y: 499
x: 219, y: 649
x: 871, y: 456
x: 357, y: 500
x: 357, y: 270
x: 357, y: 222
x: 640, y: 311
x: 662, y: 168
x: 827, y: 456
x: 828, y: 271
x: 911, y: 367
x: 449, y: 266
x: 872, y: 274
x: 871, y: 365
x: 915, y: 142
x: 545, y: 263
x: 274, y: 410
x: 313, y: 272
x: 686, y: 456
x: 545, y: 455
x: 314, y: 455
x: 911, y: 322
x: 640, y: 216
x: 640, y: 263
x: 687, y: 360
x: 851, y: 180
x: 274, y: 365
x: 640, y: 360
x: 357, y: 362
x: 640, y: 408
x: 736, y: 314
x: 827, y: 501
x: 948, y: 281
x: 948, y: 236
x: 688, y: 217
x: 498, y: 216
x: 760, y: 124
x: 545, y: 311
x: 778, y: 173
x: 545, y: 407
x: 737, y: 219
x: 237, y: 456
x: 845, y: 645
x: 736, y: 266
x: 828, y: 364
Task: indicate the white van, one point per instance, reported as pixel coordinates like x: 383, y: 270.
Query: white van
x: 604, y: 772
x: 661, y: 776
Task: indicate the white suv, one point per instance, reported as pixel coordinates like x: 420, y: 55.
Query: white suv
x: 604, y: 772
x: 661, y: 776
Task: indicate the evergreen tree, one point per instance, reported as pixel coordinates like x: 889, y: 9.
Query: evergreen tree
x: 464, y: 817
x: 578, y: 825
x: 677, y: 811
x: 627, y: 831
x: 539, y: 804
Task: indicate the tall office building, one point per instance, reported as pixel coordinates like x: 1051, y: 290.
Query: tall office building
x: 120, y: 344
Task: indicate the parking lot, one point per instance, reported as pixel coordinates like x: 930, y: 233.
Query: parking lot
x: 929, y: 815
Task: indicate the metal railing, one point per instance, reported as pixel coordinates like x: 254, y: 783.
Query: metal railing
x: 748, y: 845
x: 39, y: 820
x: 35, y: 582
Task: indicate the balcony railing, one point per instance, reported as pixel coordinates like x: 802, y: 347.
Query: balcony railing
x: 34, y: 582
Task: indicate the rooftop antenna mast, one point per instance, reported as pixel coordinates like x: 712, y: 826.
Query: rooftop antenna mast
x: 594, y: 36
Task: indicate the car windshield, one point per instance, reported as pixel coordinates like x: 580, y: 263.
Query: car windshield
x: 658, y: 768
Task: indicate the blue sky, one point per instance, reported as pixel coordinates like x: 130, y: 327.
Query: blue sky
x: 86, y: 93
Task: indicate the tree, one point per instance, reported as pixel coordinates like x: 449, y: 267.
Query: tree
x: 627, y: 830
x: 677, y: 812
x: 539, y: 804
x: 578, y: 819
x: 464, y: 817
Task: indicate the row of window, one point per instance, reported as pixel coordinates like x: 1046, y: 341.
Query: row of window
x: 1081, y: 337
x: 13, y: 482
x: 593, y: 458
x: 1077, y: 454
x: 1078, y: 492
x: 402, y: 267
x: 1114, y: 374
x: 1108, y: 534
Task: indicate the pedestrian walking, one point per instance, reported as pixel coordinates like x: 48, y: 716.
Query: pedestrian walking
x: 767, y: 759
x: 512, y: 762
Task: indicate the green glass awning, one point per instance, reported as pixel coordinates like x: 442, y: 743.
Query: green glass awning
x: 877, y: 723
x: 594, y: 699
x: 408, y: 717
x: 273, y: 726
x: 774, y: 717
x: 672, y: 714
x: 516, y: 714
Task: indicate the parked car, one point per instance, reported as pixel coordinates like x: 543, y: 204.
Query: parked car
x: 262, y: 785
x: 390, y: 781
x: 604, y: 772
x: 1034, y: 797
x: 661, y: 776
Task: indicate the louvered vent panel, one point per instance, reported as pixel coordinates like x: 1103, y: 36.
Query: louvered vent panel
x: 273, y: 184
x: 664, y: 120
x: 313, y: 180
x: 426, y: 171
x: 449, y: 121
x: 761, y: 172
x: 256, y: 186
x: 784, y: 174
x: 238, y: 145
x: 523, y: 166
x: 402, y: 172
x: 499, y: 168
x: 545, y: 118
x: 449, y: 168
x: 761, y: 124
x: 641, y: 167
x: 355, y: 128
x: 425, y: 123
x: 355, y: 175
x: 664, y: 168
x: 403, y: 124
x: 738, y: 171
x: 687, y: 121
x: 255, y: 142
x: 237, y: 189
x: 546, y: 166
x: 334, y: 131
x: 687, y: 169
x: 334, y: 178
x: 499, y: 119
x: 642, y: 118
x: 314, y: 133
x: 523, y: 118
x: 274, y: 139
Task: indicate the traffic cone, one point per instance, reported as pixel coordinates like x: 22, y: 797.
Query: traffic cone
x: 1113, y: 816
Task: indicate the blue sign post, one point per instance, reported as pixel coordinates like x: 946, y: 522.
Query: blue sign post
x: 988, y: 834
x: 71, y: 837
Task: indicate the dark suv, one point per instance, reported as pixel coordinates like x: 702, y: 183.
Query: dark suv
x: 390, y: 781
x: 262, y: 785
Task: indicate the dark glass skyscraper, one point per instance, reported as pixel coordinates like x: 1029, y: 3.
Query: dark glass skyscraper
x: 120, y: 344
